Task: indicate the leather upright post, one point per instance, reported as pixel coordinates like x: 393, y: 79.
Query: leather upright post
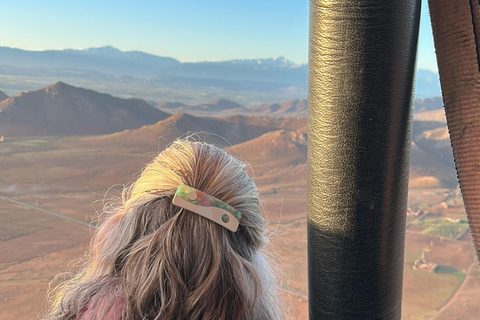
x: 456, y: 31
x: 361, y: 71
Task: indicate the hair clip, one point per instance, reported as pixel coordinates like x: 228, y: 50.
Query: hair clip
x: 207, y: 206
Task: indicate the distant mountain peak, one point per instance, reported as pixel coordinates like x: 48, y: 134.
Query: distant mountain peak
x: 220, y: 104
x: 103, y: 49
x: 223, y: 101
x: 108, y: 51
x: 170, y: 105
x: 60, y: 84
x: 60, y: 87
x: 279, y: 61
x: 62, y: 109
x: 296, y: 107
x: 283, y: 60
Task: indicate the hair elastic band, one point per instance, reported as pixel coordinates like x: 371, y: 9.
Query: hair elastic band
x: 207, y: 206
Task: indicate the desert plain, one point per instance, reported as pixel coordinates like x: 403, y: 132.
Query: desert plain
x: 53, y: 188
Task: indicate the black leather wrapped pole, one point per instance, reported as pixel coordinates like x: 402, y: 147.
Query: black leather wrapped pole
x: 362, y: 62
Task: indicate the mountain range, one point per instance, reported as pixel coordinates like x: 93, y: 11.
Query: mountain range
x: 271, y: 135
x: 62, y: 109
x: 162, y: 79
x: 220, y: 107
x: 110, y: 60
x: 292, y: 108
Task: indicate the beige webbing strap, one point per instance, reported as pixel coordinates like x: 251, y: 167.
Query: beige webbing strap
x: 456, y: 31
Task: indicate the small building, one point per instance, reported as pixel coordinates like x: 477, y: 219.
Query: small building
x: 412, y: 213
x: 424, y: 265
x: 455, y: 220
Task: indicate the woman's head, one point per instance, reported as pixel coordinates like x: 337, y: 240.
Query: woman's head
x: 165, y: 262
x: 206, y: 168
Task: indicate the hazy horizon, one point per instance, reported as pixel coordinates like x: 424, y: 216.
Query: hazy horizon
x: 202, y: 31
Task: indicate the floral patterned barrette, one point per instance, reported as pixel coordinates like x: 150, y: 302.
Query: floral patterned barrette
x: 207, y: 206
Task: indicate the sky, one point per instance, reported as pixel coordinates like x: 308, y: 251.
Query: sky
x: 188, y: 30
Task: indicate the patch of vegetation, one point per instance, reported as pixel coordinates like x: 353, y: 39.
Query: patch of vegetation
x: 450, y: 270
x: 28, y: 143
x: 420, y: 206
x: 413, y: 311
x: 442, y: 228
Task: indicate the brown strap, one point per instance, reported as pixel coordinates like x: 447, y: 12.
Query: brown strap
x: 456, y: 30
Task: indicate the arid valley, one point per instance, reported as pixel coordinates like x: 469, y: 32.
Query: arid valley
x: 66, y: 152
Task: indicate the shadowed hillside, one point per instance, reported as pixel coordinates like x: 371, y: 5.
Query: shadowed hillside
x: 429, y: 168
x: 3, y: 96
x: 290, y: 108
x: 214, y: 130
x: 218, y: 107
x: 62, y: 110
x: 277, y: 159
x: 170, y: 106
x: 224, y: 107
x: 427, y: 104
x: 298, y: 124
x: 431, y: 156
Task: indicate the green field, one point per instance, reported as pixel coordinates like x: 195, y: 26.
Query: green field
x: 442, y: 228
x: 28, y: 143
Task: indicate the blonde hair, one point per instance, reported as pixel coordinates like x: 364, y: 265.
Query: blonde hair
x: 159, y: 261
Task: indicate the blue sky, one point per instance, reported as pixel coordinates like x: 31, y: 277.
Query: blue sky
x: 194, y: 30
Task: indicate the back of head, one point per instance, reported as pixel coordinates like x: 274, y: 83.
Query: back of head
x: 160, y: 261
